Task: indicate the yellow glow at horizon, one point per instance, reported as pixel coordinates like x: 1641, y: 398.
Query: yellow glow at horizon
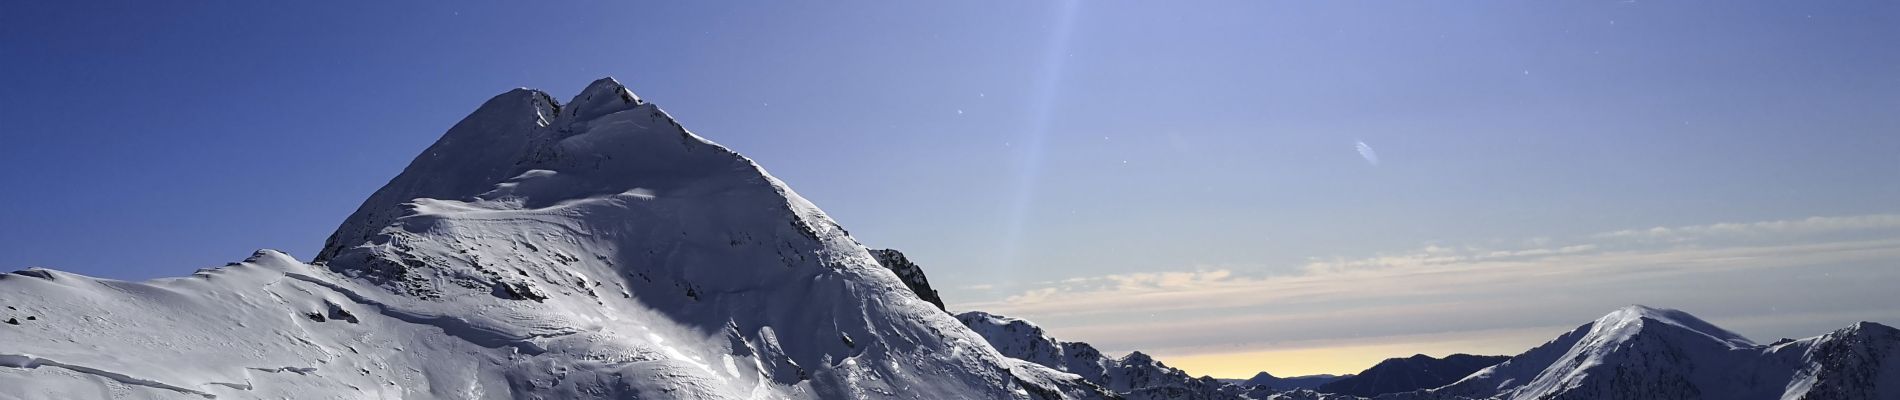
x: 1337, y: 360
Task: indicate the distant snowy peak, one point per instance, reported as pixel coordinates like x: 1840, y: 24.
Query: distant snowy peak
x: 1648, y: 353
x: 1635, y: 318
x: 1635, y: 349
x: 1858, y: 362
x: 910, y: 273
x: 1135, y: 376
x: 1020, y: 339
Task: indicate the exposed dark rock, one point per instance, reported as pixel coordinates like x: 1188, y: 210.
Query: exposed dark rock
x: 910, y: 273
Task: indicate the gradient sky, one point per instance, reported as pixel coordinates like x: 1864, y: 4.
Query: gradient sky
x: 1300, y: 187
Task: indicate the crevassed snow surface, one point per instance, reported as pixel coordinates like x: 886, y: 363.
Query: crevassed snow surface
x: 589, y: 250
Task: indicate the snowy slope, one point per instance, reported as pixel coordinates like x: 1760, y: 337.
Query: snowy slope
x: 538, y: 250
x: 1135, y: 376
x: 1648, y: 353
x: 1858, y: 362
x: 597, y: 250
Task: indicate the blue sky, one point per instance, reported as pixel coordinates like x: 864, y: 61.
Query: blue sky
x: 1027, y: 149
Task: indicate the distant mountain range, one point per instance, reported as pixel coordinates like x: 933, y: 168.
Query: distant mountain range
x: 1134, y: 376
x: 1636, y: 352
x: 1652, y: 353
x: 1264, y: 379
x: 596, y: 249
x: 1633, y: 353
x: 1396, y: 375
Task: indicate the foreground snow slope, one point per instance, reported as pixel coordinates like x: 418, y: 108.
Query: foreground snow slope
x: 538, y: 250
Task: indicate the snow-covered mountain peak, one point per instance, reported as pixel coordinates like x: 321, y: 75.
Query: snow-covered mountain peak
x: 603, y: 96
x: 521, y: 149
x: 537, y: 250
x: 1865, y: 326
x: 1631, y: 319
x: 1642, y: 353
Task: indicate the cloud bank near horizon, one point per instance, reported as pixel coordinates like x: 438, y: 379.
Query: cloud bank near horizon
x: 1766, y: 279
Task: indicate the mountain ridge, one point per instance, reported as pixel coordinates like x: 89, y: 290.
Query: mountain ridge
x: 590, y: 250
x: 1644, y: 352
x: 1134, y: 376
x: 1266, y: 379
x: 599, y: 250
x: 1405, y: 374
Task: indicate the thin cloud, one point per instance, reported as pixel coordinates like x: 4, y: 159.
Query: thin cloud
x: 1806, y: 226
x: 1365, y: 151
x: 1809, y: 267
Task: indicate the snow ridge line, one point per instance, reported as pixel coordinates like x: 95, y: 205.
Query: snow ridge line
x: 28, y: 361
x: 452, y: 326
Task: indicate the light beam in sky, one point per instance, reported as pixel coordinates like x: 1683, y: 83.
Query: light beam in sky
x: 1029, y: 157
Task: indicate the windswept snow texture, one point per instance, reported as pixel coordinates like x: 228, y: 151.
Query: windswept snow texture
x: 592, y: 250
x: 1396, y: 375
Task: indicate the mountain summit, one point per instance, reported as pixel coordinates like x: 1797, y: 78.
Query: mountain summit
x: 594, y: 249
x: 1640, y: 352
x: 598, y: 250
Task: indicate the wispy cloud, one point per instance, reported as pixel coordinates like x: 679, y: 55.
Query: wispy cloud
x: 1365, y: 151
x: 1782, y: 228
x: 1806, y: 265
